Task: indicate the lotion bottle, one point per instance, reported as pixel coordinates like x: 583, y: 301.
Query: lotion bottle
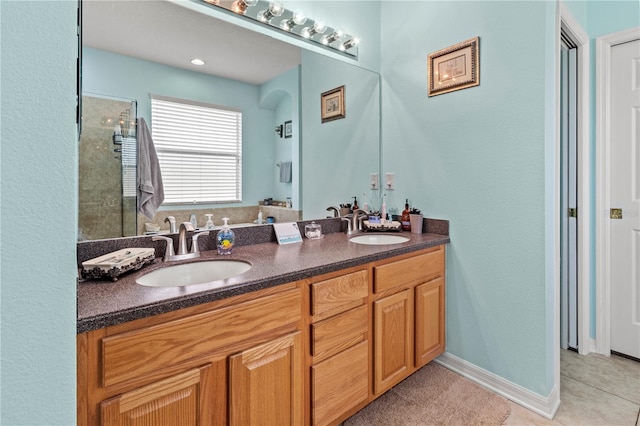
x: 209, y: 224
x: 225, y: 239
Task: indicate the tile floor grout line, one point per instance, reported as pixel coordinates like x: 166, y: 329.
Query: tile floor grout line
x: 601, y: 390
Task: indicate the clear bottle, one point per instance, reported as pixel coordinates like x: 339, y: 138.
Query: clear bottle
x: 194, y: 220
x: 209, y: 224
x: 225, y: 239
x: 383, y: 209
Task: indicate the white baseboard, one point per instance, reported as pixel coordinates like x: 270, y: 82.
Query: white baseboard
x: 545, y: 406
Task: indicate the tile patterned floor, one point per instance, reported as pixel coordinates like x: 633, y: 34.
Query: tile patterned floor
x: 594, y: 390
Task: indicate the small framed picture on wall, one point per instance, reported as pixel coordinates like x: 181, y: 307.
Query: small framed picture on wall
x: 288, y: 129
x: 453, y: 68
x: 332, y: 105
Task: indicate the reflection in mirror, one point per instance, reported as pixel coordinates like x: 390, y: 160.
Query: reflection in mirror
x: 168, y: 35
x: 107, y: 169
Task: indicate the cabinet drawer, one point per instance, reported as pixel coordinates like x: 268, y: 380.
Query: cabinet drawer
x: 339, y: 294
x: 414, y: 270
x: 337, y: 333
x: 134, y: 354
x: 339, y: 384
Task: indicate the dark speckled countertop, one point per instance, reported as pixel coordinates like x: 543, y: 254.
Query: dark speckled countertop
x: 105, y: 303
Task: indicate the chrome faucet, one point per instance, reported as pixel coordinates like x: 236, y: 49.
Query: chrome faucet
x: 182, y: 252
x: 336, y: 211
x: 354, y: 223
x: 172, y: 224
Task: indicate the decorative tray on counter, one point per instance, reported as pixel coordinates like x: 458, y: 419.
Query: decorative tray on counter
x: 116, y: 263
x: 387, y: 226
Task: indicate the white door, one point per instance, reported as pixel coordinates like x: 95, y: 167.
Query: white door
x: 624, y: 193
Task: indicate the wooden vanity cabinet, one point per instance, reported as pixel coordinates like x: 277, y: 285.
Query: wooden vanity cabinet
x: 408, y: 315
x: 235, y: 361
x: 312, y: 352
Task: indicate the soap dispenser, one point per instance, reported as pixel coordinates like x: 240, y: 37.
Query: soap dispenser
x: 209, y: 224
x: 225, y: 239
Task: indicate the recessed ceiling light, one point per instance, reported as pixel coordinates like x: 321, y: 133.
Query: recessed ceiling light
x: 197, y: 61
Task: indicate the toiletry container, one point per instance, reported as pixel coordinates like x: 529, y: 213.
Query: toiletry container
x: 225, y: 239
x: 194, y: 220
x: 406, y: 217
x: 313, y: 231
x: 209, y: 224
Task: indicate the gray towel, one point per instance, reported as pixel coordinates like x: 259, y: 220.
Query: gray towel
x: 150, y: 189
x: 285, y: 171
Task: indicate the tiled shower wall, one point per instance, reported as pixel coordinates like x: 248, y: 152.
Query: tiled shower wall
x: 100, y: 212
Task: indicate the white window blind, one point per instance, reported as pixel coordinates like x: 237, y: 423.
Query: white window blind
x: 199, y: 148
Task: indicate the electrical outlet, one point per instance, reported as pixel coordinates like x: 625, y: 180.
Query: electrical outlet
x: 389, y: 181
x: 374, y: 181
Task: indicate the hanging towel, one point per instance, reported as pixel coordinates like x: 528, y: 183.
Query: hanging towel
x: 150, y: 189
x: 285, y: 171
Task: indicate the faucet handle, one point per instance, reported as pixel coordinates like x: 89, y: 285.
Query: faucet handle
x: 194, y: 241
x: 168, y: 252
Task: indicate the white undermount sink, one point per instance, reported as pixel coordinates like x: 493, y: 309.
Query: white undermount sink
x: 194, y: 273
x: 379, y: 239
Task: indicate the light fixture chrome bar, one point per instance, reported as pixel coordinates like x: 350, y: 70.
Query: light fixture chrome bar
x: 294, y: 23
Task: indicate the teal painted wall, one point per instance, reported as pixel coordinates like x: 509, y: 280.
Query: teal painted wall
x: 480, y: 158
x: 38, y: 186
x: 113, y: 75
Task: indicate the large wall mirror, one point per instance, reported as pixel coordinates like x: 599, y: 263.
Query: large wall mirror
x: 133, y: 50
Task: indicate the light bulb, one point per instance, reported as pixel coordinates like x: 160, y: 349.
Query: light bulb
x: 349, y: 44
x: 318, y: 28
x: 275, y: 9
x: 298, y: 18
x: 240, y: 6
x: 336, y: 35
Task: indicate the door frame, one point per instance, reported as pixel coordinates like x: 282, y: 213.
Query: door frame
x: 603, y: 177
x: 581, y: 39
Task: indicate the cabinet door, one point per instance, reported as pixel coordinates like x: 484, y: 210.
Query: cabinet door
x: 339, y: 384
x: 179, y: 399
x: 393, y: 331
x: 429, y: 319
x: 265, y: 383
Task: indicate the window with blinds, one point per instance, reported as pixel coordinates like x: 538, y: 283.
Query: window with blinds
x: 199, y: 148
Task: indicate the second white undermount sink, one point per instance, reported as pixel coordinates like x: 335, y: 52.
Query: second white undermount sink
x: 194, y: 273
x: 379, y: 239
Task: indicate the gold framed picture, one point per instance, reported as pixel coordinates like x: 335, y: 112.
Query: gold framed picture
x: 454, y: 68
x: 332, y: 104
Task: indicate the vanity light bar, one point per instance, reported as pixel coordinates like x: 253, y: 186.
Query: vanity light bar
x: 274, y: 14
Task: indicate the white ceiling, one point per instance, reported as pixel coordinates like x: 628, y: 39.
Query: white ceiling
x: 170, y: 34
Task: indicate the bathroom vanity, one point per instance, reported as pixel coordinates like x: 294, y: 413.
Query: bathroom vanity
x: 310, y: 335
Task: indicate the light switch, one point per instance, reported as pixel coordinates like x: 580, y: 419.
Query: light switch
x: 389, y: 181
x: 374, y: 181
